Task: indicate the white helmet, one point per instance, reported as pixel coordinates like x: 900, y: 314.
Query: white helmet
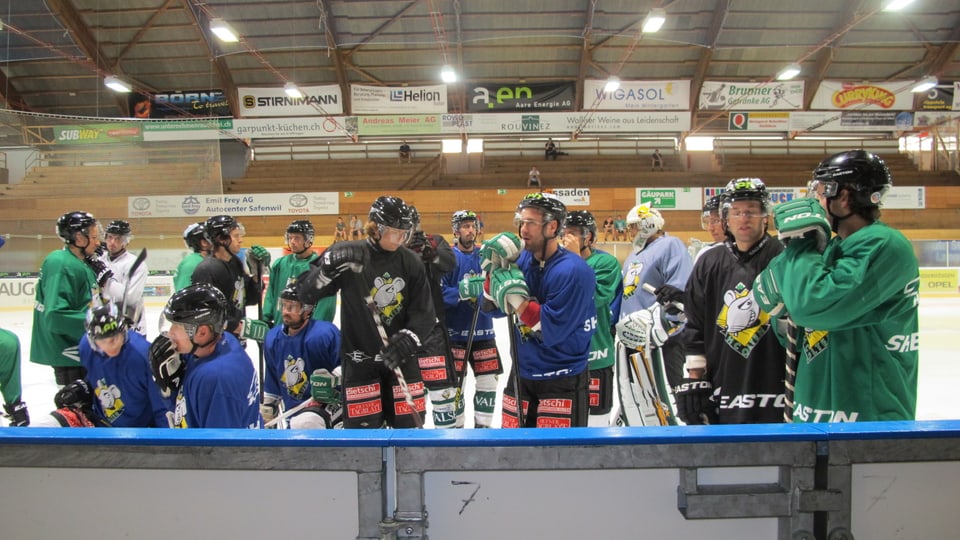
x: 648, y: 221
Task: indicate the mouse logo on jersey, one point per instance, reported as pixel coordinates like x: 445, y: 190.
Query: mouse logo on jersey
x: 742, y: 321
x: 631, y: 281
x: 388, y: 296
x: 294, y: 378
x: 110, y: 401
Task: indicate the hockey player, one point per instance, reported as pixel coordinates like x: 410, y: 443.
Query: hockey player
x: 202, y: 366
x: 462, y: 289
x: 436, y: 362
x: 224, y: 270
x: 734, y: 363
x: 709, y: 221
x: 10, y: 385
x: 854, y: 296
x: 196, y: 241
x: 550, y: 291
x: 285, y: 270
x: 297, y: 352
x: 72, y: 280
x: 579, y: 236
x: 119, y: 260
x: 659, y: 260
x: 386, y: 313
x: 118, y: 389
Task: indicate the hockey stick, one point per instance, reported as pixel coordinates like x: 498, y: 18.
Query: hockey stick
x: 515, y: 354
x: 468, y: 350
x: 260, y: 345
x: 141, y: 257
x: 287, y: 414
x: 401, y: 380
x: 791, y: 370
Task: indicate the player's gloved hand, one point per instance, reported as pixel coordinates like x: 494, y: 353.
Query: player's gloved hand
x: 324, y: 386
x: 802, y: 218
x: 508, y: 288
x: 767, y: 294
x: 101, y: 249
x: 99, y: 269
x: 258, y: 257
x: 166, y: 365
x: 254, y: 329
x: 695, y: 403
x: 471, y: 287
x: 500, y: 251
x: 400, y: 348
x: 667, y: 294
x: 339, y: 258
x: 645, y: 328
x: 77, y: 395
x: 269, y: 410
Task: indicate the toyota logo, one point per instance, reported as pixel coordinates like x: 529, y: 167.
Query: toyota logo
x: 298, y: 200
x: 141, y: 203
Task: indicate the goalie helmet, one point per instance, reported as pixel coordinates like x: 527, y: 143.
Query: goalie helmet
x: 647, y: 219
x: 103, y: 322
x: 549, y: 204
x: 219, y: 227
x: 584, y: 220
x: 861, y: 172
x: 118, y: 227
x: 197, y: 305
x: 390, y: 211
x: 461, y: 216
x: 301, y: 226
x: 745, y: 189
x: 193, y: 235
x: 74, y: 222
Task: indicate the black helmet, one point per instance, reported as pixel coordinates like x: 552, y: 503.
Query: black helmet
x: 104, y: 321
x: 192, y: 236
x: 712, y: 204
x: 459, y: 217
x: 72, y: 223
x: 390, y: 211
x: 582, y: 219
x: 303, y: 227
x: 290, y: 293
x: 219, y: 227
x: 196, y: 305
x: 552, y: 207
x: 746, y: 189
x: 414, y: 215
x: 861, y: 172
x: 118, y: 227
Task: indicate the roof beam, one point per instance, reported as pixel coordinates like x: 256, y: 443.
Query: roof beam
x: 710, y: 43
x: 143, y: 30
x: 339, y: 60
x: 219, y: 63
x: 11, y: 95
x: 824, y: 54
x: 586, y: 52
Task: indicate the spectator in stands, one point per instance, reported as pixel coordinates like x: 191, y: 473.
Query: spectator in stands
x: 620, y: 229
x: 656, y: 160
x: 550, y: 150
x: 405, y: 152
x: 533, y: 179
x: 356, y: 227
x: 608, y: 229
x: 340, y: 231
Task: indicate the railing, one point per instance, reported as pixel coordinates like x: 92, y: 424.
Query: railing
x: 430, y: 171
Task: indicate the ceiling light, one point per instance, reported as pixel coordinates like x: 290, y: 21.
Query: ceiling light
x: 925, y: 84
x: 789, y: 72
x: 224, y: 31
x: 654, y: 20
x: 291, y: 90
x: 897, y: 5
x: 448, y: 75
x: 612, y: 84
x: 116, y: 84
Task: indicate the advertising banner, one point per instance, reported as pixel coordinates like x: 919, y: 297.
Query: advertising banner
x: 759, y: 121
x: 737, y: 96
x: 317, y: 127
x: 637, y: 96
x: 254, y: 204
x: 597, y: 122
x: 322, y: 100
x: 192, y: 130
x: 179, y: 104
x: 670, y: 198
x: 490, y: 97
x: 839, y: 95
x: 938, y: 98
x: 398, y: 99
x: 929, y: 118
x: 400, y: 124
x: 905, y: 198
x: 119, y: 132
x: 572, y: 196
x: 851, y: 121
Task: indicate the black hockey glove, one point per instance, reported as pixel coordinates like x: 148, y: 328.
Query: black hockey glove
x: 99, y: 269
x: 166, y: 365
x: 340, y: 258
x: 401, y: 347
x: 101, y: 249
x: 669, y: 293
x: 695, y: 404
x: 425, y: 245
x: 74, y: 395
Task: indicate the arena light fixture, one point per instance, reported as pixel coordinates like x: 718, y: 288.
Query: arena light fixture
x: 117, y: 85
x: 789, y: 72
x: 654, y: 20
x: 292, y: 90
x: 448, y: 75
x: 897, y: 5
x: 924, y: 84
x: 224, y: 31
x: 612, y: 84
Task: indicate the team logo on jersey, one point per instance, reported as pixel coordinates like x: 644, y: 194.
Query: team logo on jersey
x: 358, y: 356
x: 814, y: 342
x: 631, y: 280
x: 742, y: 321
x: 295, y: 378
x: 110, y: 402
x: 387, y: 294
x: 179, y: 419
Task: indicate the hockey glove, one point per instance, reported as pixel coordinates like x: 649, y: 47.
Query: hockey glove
x: 802, y: 218
x: 670, y: 297
x: 269, y: 410
x: 500, y: 251
x: 76, y: 395
x: 101, y: 249
x: 254, y: 329
x: 508, y: 288
x: 325, y: 386
x: 72, y: 417
x: 400, y: 348
x: 425, y: 246
x: 99, y: 269
x: 166, y: 365
x: 342, y: 257
x: 258, y: 258
x: 767, y: 294
x: 471, y: 287
x: 695, y: 403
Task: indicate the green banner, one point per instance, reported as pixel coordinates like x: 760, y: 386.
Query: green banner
x: 659, y: 198
x: 120, y: 132
x: 406, y: 124
x: 188, y: 125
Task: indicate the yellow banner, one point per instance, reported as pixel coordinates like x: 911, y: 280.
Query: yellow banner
x: 939, y: 281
